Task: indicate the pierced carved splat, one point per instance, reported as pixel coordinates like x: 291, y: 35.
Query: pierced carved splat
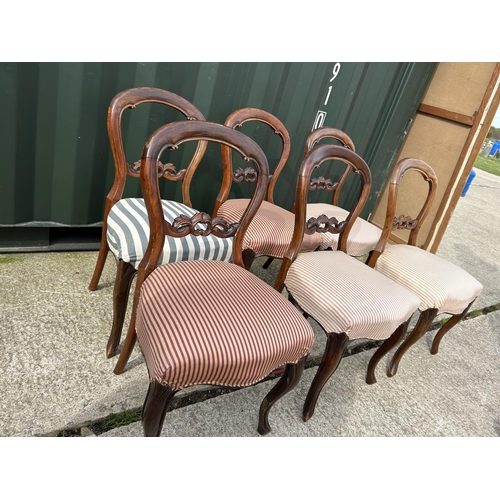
x: 323, y: 224
x: 201, y: 224
x: 166, y: 170
x: 322, y: 183
x: 245, y: 175
x: 404, y: 222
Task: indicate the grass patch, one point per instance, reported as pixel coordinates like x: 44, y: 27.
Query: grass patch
x: 491, y: 165
x: 116, y: 420
x: 8, y: 259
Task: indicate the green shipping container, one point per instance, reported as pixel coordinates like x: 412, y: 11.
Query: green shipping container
x: 57, y: 165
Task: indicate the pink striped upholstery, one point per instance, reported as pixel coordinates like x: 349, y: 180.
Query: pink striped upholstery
x: 214, y: 323
x: 346, y: 296
x: 271, y: 230
x: 362, y: 239
x: 439, y: 283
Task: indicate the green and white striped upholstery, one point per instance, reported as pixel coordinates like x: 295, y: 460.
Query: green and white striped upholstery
x: 128, y: 235
x: 214, y: 323
x: 440, y: 284
x: 346, y: 296
x: 271, y: 230
x: 363, y: 236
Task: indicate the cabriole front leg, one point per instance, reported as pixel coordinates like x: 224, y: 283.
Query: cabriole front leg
x: 289, y: 379
x: 454, y: 320
x: 155, y: 408
x: 424, y: 321
x: 336, y: 345
x: 389, y: 343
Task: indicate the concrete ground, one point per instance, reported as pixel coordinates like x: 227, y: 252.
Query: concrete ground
x: 54, y: 374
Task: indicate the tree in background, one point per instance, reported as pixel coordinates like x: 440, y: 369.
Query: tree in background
x: 493, y: 134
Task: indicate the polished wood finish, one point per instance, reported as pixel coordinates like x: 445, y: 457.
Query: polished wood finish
x: 289, y: 379
x: 391, y: 221
x: 171, y: 136
x: 336, y: 345
x: 155, y: 408
x: 314, y: 159
x: 330, y: 133
x: 125, y: 273
x: 388, y: 344
x: 235, y: 120
x: 322, y: 183
x: 337, y: 342
x: 454, y: 320
x: 424, y: 321
x: 413, y: 225
x: 132, y: 98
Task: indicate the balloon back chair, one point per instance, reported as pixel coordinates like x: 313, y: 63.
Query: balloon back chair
x: 125, y: 227
x: 348, y: 299
x: 210, y: 322
x: 364, y: 235
x: 271, y: 230
x: 441, y: 286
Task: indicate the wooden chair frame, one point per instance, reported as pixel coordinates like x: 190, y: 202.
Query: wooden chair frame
x: 235, y: 120
x: 337, y: 342
x: 171, y: 136
x: 125, y: 272
x: 413, y: 225
x: 312, y: 140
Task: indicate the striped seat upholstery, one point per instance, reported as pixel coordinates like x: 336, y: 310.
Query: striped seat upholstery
x: 363, y: 236
x: 354, y: 299
x: 440, y: 284
x: 128, y: 235
x: 214, y: 323
x: 271, y: 230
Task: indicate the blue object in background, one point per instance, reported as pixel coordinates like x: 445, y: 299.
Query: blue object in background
x: 495, y: 148
x: 468, y: 183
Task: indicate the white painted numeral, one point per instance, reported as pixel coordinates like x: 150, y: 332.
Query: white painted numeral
x: 336, y: 70
x: 328, y: 95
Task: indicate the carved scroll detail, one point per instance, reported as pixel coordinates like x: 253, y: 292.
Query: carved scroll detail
x: 166, y: 170
x: 322, y: 183
x: 245, y: 175
x: 404, y: 222
x: 323, y: 224
x: 200, y: 224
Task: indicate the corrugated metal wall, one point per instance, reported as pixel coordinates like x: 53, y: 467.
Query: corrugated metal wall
x: 56, y: 161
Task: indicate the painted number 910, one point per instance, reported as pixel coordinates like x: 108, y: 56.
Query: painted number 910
x: 321, y: 115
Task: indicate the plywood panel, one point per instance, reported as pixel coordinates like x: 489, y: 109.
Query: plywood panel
x: 449, y: 144
x: 460, y: 86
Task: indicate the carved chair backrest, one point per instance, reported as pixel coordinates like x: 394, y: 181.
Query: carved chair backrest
x: 132, y: 98
x: 237, y: 119
x: 332, y: 133
x: 170, y: 137
x: 404, y: 222
x: 322, y: 224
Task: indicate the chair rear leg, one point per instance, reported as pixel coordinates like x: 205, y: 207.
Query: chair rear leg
x: 454, y: 320
x: 289, y: 379
x: 248, y: 258
x: 383, y: 350
x: 127, y: 348
x: 101, y: 260
x: 267, y: 263
x: 125, y: 273
x: 336, y: 345
x: 423, y: 323
x: 155, y: 407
